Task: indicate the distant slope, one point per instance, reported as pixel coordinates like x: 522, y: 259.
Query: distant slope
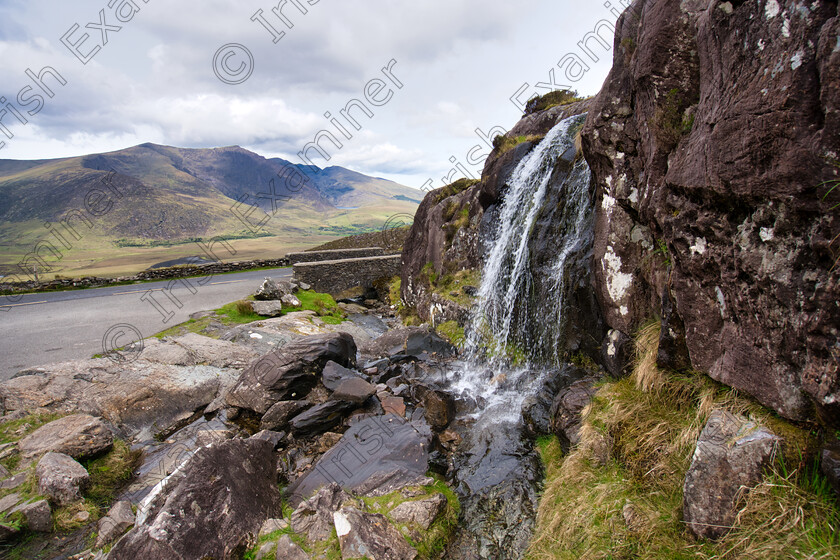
x: 391, y: 240
x: 163, y: 196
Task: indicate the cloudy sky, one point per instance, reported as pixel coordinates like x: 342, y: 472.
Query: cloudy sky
x: 154, y: 80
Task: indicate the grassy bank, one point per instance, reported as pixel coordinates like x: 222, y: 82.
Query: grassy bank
x: 619, y: 493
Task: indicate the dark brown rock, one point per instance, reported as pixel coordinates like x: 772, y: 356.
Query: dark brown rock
x: 290, y: 372
x: 277, y: 417
x: 355, y: 390
x: 672, y: 352
x: 830, y: 465
x: 566, y: 411
x: 730, y: 457
x: 708, y: 143
x: 213, y: 507
x: 78, y: 436
x: 320, y: 418
x: 334, y: 374
x: 618, y: 353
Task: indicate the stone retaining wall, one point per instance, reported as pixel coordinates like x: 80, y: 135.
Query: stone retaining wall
x: 334, y: 255
x: 334, y: 277
x: 183, y: 271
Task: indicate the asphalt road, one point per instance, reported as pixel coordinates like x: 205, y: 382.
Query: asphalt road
x: 38, y: 329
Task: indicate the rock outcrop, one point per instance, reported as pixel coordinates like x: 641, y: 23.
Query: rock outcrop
x: 79, y: 436
x: 709, y: 143
x: 212, y: 507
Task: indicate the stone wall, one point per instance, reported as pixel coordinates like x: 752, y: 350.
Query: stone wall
x: 334, y: 277
x: 183, y: 271
x: 334, y: 255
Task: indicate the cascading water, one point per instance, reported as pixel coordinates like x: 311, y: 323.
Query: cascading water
x: 538, y: 255
x: 519, y: 321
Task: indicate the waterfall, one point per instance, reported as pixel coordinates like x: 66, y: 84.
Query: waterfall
x: 541, y: 229
x: 531, y: 310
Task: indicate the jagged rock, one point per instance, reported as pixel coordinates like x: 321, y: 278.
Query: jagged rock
x: 374, y: 453
x: 212, y: 507
x: 730, y: 456
x: 272, y: 290
x: 370, y: 535
x: 291, y: 372
x: 439, y: 407
x: 78, y: 436
x: 141, y: 398
x: 618, y: 353
x: 277, y: 417
x: 119, y: 518
x: 314, y: 517
x: 272, y: 308
x: 830, y: 465
x: 536, y: 407
x: 290, y: 301
x: 274, y: 438
x: 320, y: 418
x: 288, y: 550
x: 61, y: 478
x: 9, y: 501
x: 567, y: 409
x: 355, y: 391
x: 393, y: 405
x: 422, y: 512
x: 334, y: 374
x: 37, y: 515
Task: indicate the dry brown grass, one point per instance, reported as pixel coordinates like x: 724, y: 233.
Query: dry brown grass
x: 637, y: 440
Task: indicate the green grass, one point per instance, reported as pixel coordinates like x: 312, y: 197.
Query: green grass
x: 552, y: 99
x: 504, y: 143
x: 454, y: 188
x: 322, y: 304
x: 453, y: 332
x: 650, y: 423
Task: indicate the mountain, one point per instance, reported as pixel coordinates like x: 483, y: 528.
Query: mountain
x: 161, y: 196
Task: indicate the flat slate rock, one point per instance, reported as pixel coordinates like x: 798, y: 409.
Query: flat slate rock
x: 384, y: 448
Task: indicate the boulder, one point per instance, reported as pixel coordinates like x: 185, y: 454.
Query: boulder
x: 272, y: 290
x: 830, y: 465
x: 731, y: 455
x: 320, y: 418
x: 288, y: 550
x: 290, y: 300
x: 119, y: 518
x: 274, y: 438
x: 290, y: 372
x: 439, y: 407
x: 37, y: 515
x: 421, y: 512
x: 277, y: 417
x: 567, y: 409
x: 79, y: 436
x: 272, y: 308
x: 370, y: 535
x: 313, y: 518
x: 212, y: 507
x: 374, y: 453
x: 355, y: 390
x: 334, y: 374
x: 61, y: 478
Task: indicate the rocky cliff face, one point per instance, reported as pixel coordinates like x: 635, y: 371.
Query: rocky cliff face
x: 709, y: 143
